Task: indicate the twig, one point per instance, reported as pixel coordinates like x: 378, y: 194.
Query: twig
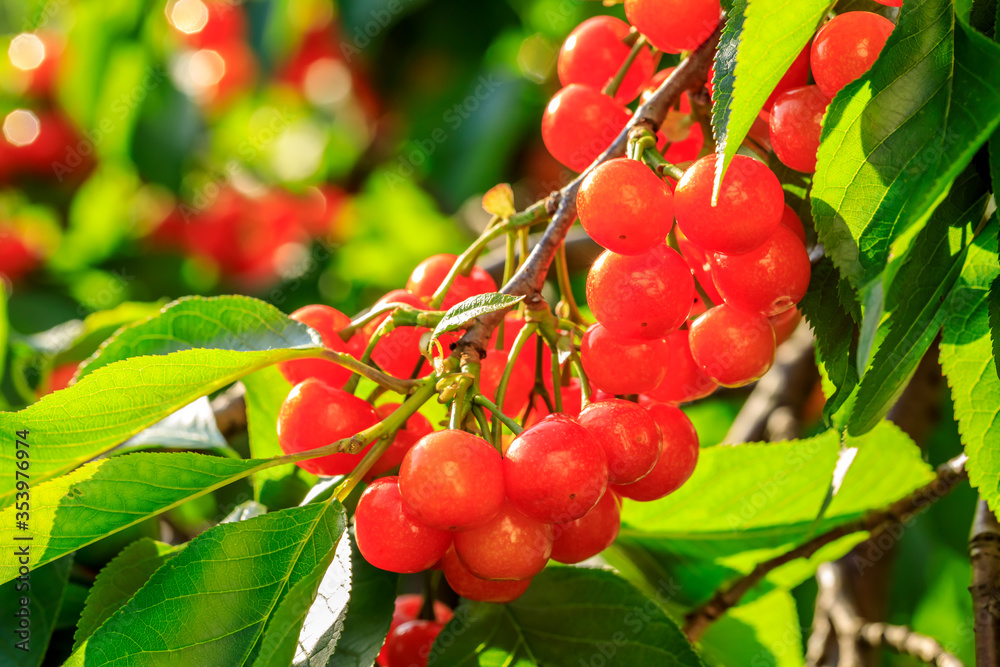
x: 905, y: 641
x: 230, y: 410
x: 984, y: 552
x: 948, y: 476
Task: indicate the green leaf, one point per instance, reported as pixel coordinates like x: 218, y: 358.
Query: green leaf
x: 226, y: 596
x: 118, y: 581
x: 984, y: 17
x: 236, y: 323
x: 764, y: 633
x: 38, y: 597
x: 461, y: 314
x: 281, y: 486
x: 110, y: 494
x: 895, y: 139
x: 72, y: 606
x: 916, y: 298
x: 994, y: 308
x: 758, y: 44
x: 568, y: 616
x: 970, y: 367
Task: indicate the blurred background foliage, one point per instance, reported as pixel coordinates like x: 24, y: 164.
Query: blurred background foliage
x: 299, y: 151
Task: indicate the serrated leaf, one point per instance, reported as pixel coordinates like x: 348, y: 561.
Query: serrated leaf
x: 108, y: 495
x: 499, y: 201
x: 42, y: 591
x: 760, y: 41
x: 216, y: 601
x: 461, y: 314
x: 119, y: 580
x: 916, y: 297
x: 895, y: 139
x: 324, y: 623
x: 970, y: 367
x: 995, y: 320
x: 567, y: 616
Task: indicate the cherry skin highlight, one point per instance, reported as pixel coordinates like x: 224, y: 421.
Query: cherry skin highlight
x: 589, y: 535
x: 389, y: 538
x: 795, y: 125
x: 416, y: 427
x: 452, y: 480
x: 625, y: 207
x: 749, y: 206
x: 579, y: 123
x: 593, y: 53
x: 628, y: 435
x: 431, y: 272
x: 555, y: 471
x: 641, y: 296
x: 731, y: 346
x: 623, y: 365
x: 471, y: 587
x: 677, y: 461
x: 511, y: 545
x: 846, y: 47
x: 674, y: 25
x: 684, y: 380
x: 315, y: 414
x: 768, y: 280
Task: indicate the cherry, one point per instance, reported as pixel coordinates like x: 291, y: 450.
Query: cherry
x: 731, y: 346
x: 700, y: 265
x: 628, y: 435
x: 641, y: 296
x: 769, y: 279
x: 623, y: 365
x: 555, y: 471
x: 796, y: 75
x: 17, y: 257
x: 398, y: 352
x: 890, y: 3
x: 680, y: 129
x: 471, y: 587
x: 593, y: 53
x: 684, y: 381
x: 327, y: 322
x: 522, y: 376
x: 511, y: 545
x: 410, y: 644
x: 796, y: 123
x: 785, y: 324
x: 749, y: 205
x: 677, y: 460
x: 315, y: 414
x: 589, y: 535
x: 431, y: 272
x: 416, y: 427
x: 579, y: 123
x: 625, y: 207
x: 452, y: 480
x: 673, y: 26
x: 389, y: 537
x: 791, y: 220
x: 407, y: 609
x: 846, y: 47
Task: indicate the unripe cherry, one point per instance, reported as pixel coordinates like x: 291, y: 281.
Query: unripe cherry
x: 673, y: 26
x: 511, y: 545
x: 580, y: 123
x: 685, y: 381
x: 628, y: 435
x: 589, y: 535
x: 389, y: 537
x: 593, y: 53
x: 846, y: 47
x: 769, y: 279
x: 620, y: 365
x: 731, y: 346
x: 795, y: 127
x: 471, y: 587
x: 677, y: 460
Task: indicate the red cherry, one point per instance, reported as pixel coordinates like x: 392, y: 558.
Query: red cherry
x: 701, y: 267
x: 846, y: 47
x: 511, y: 545
x: 389, y: 538
x: 625, y: 207
x: 749, y: 205
x: 791, y: 220
x: 731, y: 346
x: 890, y: 3
x: 796, y: 123
x: 407, y: 609
x: 452, y: 480
x: 327, y: 322
x: 679, y: 128
x: 641, y: 296
x: 526, y: 361
x: 555, y: 471
x: 673, y: 26
x: 398, y: 352
x: 769, y: 279
x: 685, y: 381
x: 17, y: 258
x: 628, y: 435
x: 410, y: 644
x: 593, y: 53
x: 431, y: 272
x: 580, y: 123
x: 522, y: 376
x: 677, y: 460
x: 417, y: 426
x: 589, y: 535
x: 315, y: 414
x: 785, y: 324
x: 471, y: 587
x: 623, y: 365
x: 796, y: 75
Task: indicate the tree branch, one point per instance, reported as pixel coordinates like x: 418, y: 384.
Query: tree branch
x: 948, y: 476
x: 984, y: 552
x: 905, y: 641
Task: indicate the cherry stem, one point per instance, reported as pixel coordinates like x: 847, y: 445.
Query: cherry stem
x: 352, y: 382
x: 565, y: 286
x: 515, y: 351
x: 585, y: 392
x: 514, y: 427
x: 484, y: 424
x: 619, y: 76
x: 556, y: 381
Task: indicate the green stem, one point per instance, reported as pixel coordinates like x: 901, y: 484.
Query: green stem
x: 455, y: 419
x: 525, y: 250
x: 514, y: 427
x: 584, y: 382
x: 515, y: 351
x: 652, y: 157
x: 484, y: 424
x: 556, y: 381
x: 366, y: 356
x: 565, y: 286
x: 619, y: 76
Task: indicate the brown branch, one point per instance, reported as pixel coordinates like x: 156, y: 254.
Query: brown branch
x: 230, y: 410
x: 530, y: 278
x: 905, y: 641
x: 984, y: 552
x: 948, y: 476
